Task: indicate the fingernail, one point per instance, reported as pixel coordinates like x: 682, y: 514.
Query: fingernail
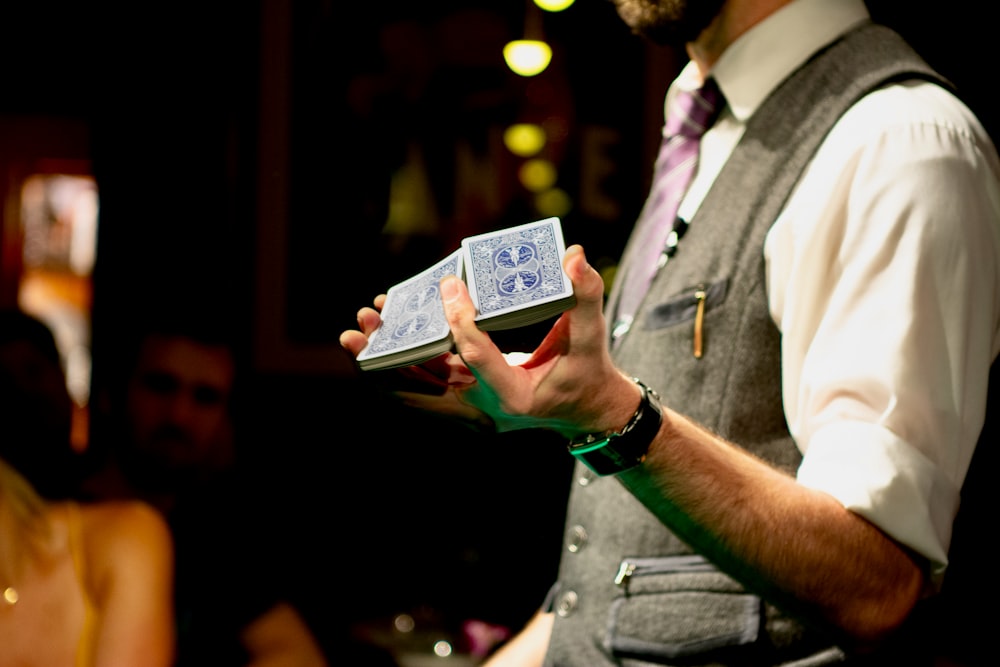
x: 449, y: 288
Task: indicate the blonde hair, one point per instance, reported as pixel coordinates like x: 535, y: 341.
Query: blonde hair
x: 24, y: 522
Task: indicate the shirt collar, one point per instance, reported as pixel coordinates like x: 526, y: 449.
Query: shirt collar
x: 757, y: 62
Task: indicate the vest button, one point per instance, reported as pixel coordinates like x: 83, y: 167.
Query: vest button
x: 567, y: 603
x: 577, y: 538
x: 586, y: 476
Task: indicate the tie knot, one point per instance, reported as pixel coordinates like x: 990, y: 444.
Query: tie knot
x: 692, y: 112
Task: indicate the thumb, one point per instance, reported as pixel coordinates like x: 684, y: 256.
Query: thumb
x: 588, y: 286
x: 472, y: 344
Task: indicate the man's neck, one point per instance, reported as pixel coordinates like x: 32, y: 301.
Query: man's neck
x: 735, y: 18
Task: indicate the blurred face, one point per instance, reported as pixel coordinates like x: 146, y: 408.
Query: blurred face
x: 37, y: 387
x: 178, y: 401
x: 35, y: 415
x: 668, y: 22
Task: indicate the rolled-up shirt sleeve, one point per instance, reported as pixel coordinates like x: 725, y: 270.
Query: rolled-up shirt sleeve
x: 882, y: 275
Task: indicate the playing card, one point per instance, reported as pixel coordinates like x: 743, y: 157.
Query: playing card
x: 413, y: 323
x: 515, y: 275
x: 515, y: 278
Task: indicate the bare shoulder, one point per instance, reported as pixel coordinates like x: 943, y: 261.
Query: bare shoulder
x: 122, y: 517
x: 124, y: 527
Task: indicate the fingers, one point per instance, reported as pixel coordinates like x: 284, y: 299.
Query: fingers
x: 369, y: 320
x: 581, y: 327
x: 474, y: 346
x: 354, y: 340
x: 479, y: 353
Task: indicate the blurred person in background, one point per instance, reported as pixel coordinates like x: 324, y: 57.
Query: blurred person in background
x: 81, y: 584
x: 169, y: 416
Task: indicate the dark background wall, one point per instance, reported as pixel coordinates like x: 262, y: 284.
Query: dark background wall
x: 244, y: 153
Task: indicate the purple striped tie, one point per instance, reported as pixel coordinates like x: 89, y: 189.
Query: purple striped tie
x: 689, y: 115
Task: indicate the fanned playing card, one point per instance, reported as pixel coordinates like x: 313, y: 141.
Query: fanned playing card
x: 515, y: 275
x: 515, y: 278
x: 413, y: 326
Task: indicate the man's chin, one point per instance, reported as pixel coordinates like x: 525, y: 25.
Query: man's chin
x: 668, y: 23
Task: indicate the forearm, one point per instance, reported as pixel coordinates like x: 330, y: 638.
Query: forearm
x: 799, y: 548
x: 280, y: 636
x: 527, y: 648
x: 775, y: 535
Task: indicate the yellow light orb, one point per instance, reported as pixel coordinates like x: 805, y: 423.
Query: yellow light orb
x: 553, y: 203
x: 527, y: 57
x: 524, y: 139
x: 537, y: 175
x: 554, y: 5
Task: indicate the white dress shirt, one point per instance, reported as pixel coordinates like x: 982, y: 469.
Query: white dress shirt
x: 882, y: 275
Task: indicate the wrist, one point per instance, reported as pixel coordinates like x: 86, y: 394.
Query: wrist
x: 614, y: 451
x: 611, y: 408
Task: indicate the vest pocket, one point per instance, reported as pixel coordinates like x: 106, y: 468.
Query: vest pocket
x: 680, y: 607
x: 683, y: 307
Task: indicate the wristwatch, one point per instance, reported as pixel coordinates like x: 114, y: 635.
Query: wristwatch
x: 613, y: 452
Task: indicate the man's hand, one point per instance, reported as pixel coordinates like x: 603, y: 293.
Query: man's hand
x: 429, y: 386
x: 568, y: 384
x: 354, y: 340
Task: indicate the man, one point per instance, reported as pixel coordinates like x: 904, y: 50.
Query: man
x: 172, y: 445
x: 820, y: 339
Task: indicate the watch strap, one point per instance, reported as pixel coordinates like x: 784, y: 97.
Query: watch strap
x: 613, y: 452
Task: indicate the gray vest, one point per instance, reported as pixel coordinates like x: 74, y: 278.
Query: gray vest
x: 629, y: 591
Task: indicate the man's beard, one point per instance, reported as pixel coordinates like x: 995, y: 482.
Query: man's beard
x: 668, y: 22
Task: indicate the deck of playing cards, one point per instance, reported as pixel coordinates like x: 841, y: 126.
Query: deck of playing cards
x: 515, y: 278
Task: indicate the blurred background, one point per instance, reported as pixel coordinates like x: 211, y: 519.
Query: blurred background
x: 283, y: 161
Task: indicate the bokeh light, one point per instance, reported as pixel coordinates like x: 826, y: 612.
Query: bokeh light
x: 537, y: 174
x: 554, y: 5
x: 404, y: 623
x: 524, y: 139
x: 442, y: 648
x: 527, y: 57
x: 554, y: 202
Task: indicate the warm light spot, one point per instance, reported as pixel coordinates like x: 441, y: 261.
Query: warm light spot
x: 553, y: 203
x: 524, y: 139
x: 442, y: 648
x: 537, y: 175
x: 554, y: 5
x: 403, y: 623
x: 527, y: 57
